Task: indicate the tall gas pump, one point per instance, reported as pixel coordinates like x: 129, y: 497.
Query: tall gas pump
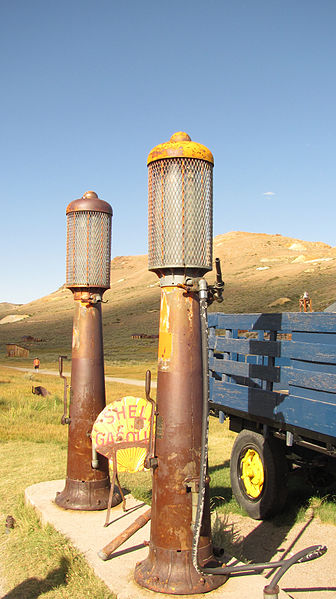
x: 88, y: 276
x: 180, y: 253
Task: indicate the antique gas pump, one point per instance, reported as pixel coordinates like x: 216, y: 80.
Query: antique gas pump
x: 88, y: 276
x: 180, y: 252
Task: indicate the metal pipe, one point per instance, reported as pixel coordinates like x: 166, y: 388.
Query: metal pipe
x: 304, y: 555
x: 205, y: 421
x: 141, y: 521
x: 95, y: 461
x: 64, y: 419
x: 150, y: 457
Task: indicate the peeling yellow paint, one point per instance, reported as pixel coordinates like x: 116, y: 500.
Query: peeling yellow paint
x: 165, y: 336
x: 180, y: 146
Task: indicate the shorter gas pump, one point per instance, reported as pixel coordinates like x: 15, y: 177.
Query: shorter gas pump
x: 87, y: 276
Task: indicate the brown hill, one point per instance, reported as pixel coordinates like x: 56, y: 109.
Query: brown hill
x: 6, y: 307
x: 262, y: 273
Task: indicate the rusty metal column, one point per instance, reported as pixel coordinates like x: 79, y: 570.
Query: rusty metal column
x: 180, y: 251
x: 88, y: 276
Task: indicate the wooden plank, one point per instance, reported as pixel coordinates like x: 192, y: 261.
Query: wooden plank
x: 323, y: 397
x: 254, y: 401
x: 283, y: 321
x: 309, y: 321
x: 312, y: 366
x: 308, y: 352
x: 244, y: 369
x: 248, y: 346
x: 285, y: 409
x: 307, y: 414
x: 325, y: 338
x: 312, y: 352
x: 322, y: 381
x: 250, y: 322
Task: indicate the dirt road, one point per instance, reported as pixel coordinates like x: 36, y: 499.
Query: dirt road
x: 109, y: 379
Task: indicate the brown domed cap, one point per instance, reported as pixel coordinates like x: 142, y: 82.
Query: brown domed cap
x: 180, y: 146
x: 89, y: 202
x: 90, y: 195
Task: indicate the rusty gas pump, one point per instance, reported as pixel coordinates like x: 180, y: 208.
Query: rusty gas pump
x: 180, y: 559
x: 180, y: 253
x: 88, y: 276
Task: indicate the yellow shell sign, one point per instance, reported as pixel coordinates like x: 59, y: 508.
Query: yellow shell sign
x: 123, y: 428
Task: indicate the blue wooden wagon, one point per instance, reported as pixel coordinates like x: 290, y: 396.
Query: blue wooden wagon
x: 274, y: 377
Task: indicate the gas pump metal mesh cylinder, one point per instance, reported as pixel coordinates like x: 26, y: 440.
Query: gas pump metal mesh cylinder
x: 180, y: 207
x: 180, y: 251
x: 88, y: 276
x: 88, y: 243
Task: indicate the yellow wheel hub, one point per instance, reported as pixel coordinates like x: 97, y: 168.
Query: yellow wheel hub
x: 252, y: 473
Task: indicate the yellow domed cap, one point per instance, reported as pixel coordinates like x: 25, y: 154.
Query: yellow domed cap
x: 180, y: 146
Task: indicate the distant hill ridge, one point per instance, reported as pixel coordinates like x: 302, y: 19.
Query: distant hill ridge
x: 262, y: 273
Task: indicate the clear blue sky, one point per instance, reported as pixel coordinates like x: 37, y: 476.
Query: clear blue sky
x: 89, y: 87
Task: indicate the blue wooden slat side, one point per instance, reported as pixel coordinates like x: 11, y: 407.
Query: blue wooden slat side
x: 244, y: 369
x: 212, y: 338
x: 283, y: 321
x: 254, y: 401
x: 311, y: 352
x: 321, y: 381
x: 248, y: 346
x: 313, y: 366
x: 314, y: 352
x: 308, y: 337
x: 284, y: 378
x: 283, y: 409
x: 323, y: 397
x: 250, y: 322
x: 307, y: 414
x: 309, y: 321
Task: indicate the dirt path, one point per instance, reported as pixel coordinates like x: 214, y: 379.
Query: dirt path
x: 109, y: 379
x: 263, y: 541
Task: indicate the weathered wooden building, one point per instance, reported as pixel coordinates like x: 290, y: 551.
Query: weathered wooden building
x: 16, y: 351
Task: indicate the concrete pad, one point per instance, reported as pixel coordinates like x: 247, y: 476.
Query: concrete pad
x: 87, y: 533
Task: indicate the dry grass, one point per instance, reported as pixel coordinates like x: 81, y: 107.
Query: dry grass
x: 34, y: 449
x: 36, y: 559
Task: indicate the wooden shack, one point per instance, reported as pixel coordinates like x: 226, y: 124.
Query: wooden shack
x: 16, y: 351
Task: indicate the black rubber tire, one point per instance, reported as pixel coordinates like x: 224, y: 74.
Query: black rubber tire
x: 274, y: 492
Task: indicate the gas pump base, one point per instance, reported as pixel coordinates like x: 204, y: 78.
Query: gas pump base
x: 86, y: 495
x: 172, y: 571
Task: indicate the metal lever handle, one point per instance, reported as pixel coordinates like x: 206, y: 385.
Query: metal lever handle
x: 219, y: 280
x: 150, y: 461
x: 65, y: 419
x: 215, y: 292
